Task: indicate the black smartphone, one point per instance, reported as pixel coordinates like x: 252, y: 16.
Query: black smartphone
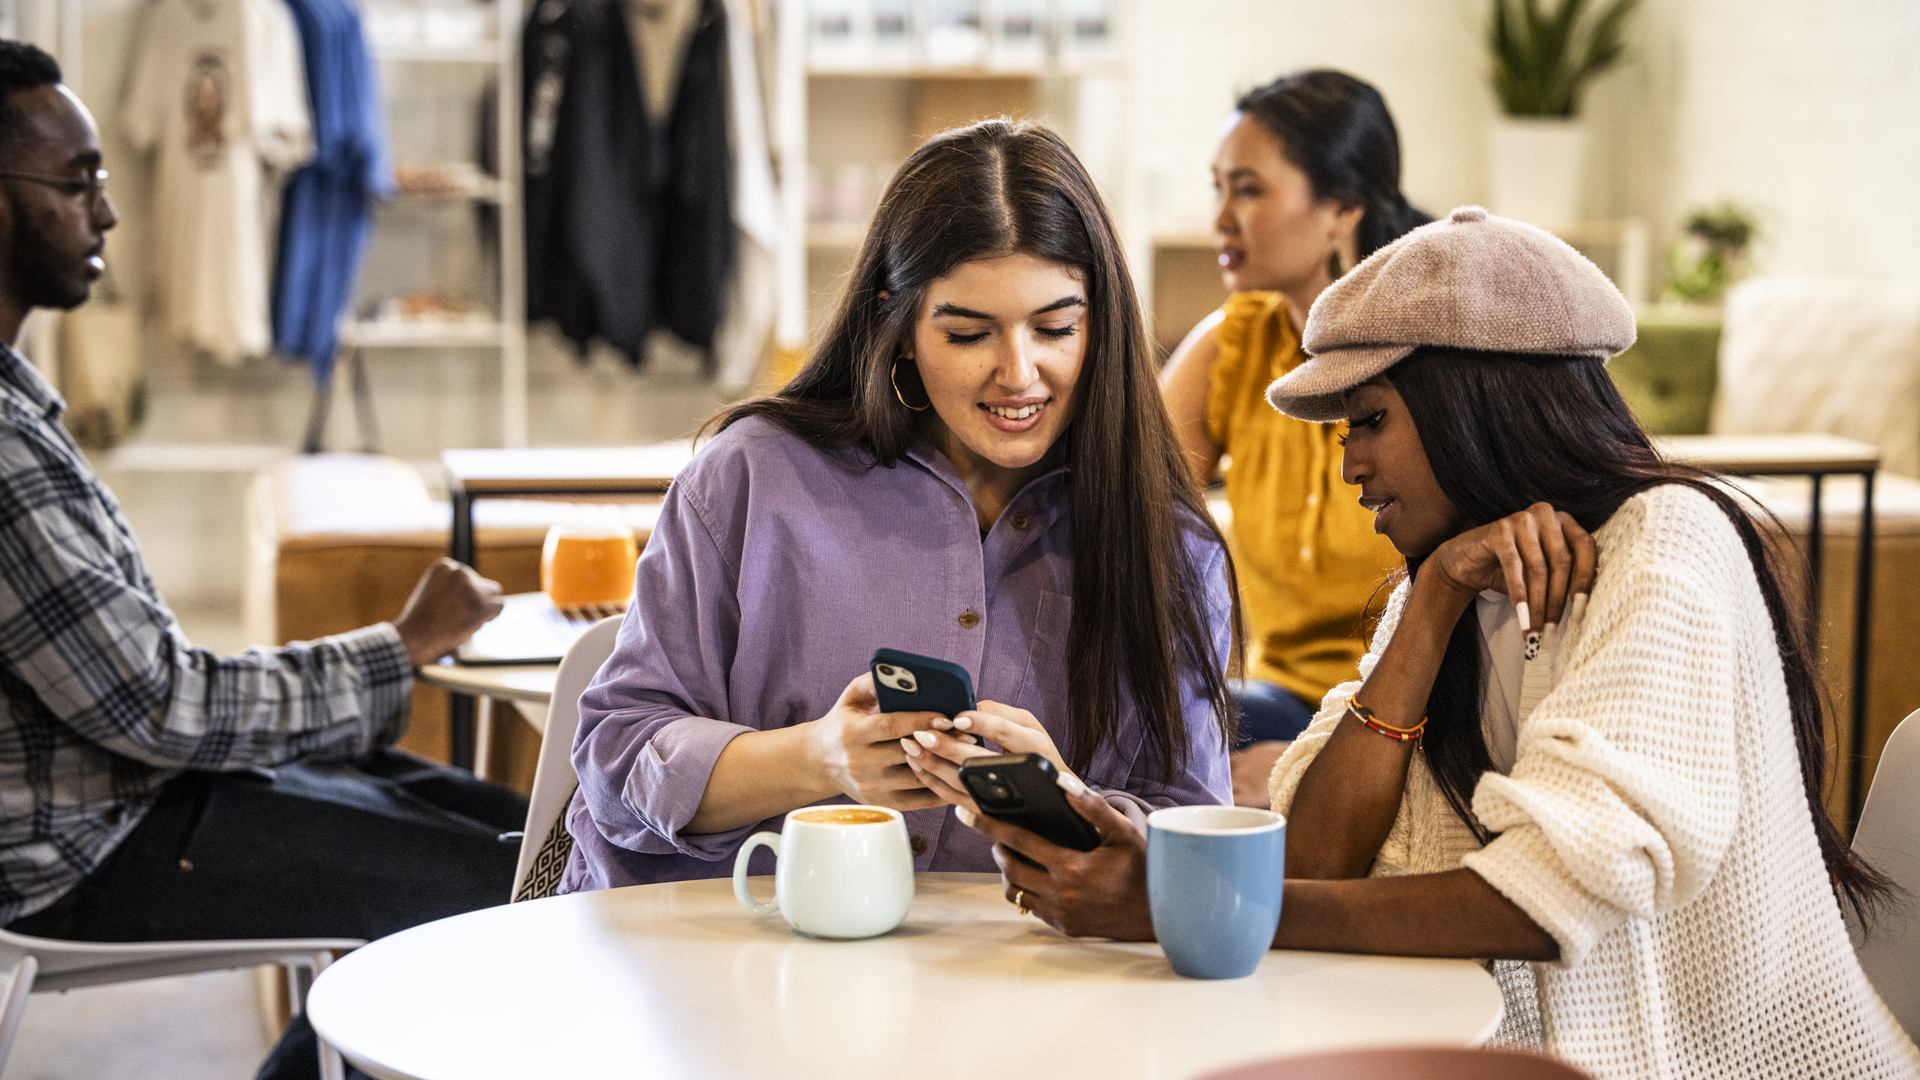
x: 1024, y: 790
x: 909, y: 682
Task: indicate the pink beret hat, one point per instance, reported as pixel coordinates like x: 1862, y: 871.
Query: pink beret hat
x: 1468, y: 281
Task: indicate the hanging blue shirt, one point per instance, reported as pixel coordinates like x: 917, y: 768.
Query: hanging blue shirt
x: 327, y: 212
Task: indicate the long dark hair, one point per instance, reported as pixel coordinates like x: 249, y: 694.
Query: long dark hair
x: 1336, y: 129
x: 998, y: 188
x: 1503, y: 431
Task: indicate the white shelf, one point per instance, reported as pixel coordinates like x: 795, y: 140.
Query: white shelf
x: 376, y: 334
x: 486, y: 193
x: 479, y: 52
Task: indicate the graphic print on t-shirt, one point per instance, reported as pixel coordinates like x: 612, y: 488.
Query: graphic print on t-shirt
x: 209, y: 90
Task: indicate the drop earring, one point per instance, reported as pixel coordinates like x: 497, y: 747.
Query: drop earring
x: 893, y: 376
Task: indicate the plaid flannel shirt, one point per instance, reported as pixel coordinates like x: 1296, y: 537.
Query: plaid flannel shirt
x: 104, y: 698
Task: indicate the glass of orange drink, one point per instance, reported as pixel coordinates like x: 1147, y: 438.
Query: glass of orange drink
x: 588, y: 565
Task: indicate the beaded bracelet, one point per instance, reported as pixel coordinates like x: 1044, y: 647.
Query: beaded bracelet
x: 1398, y: 734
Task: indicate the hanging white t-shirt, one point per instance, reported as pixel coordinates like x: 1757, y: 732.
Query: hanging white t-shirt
x: 218, y: 91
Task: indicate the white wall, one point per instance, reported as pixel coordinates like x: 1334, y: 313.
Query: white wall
x: 1197, y: 58
x: 1809, y: 111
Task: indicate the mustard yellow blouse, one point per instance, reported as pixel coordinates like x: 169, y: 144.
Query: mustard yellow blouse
x: 1305, y: 551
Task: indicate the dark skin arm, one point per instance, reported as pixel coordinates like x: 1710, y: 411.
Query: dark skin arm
x: 1350, y: 795
x: 1103, y: 893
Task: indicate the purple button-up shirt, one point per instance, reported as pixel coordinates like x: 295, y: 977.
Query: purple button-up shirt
x: 775, y: 571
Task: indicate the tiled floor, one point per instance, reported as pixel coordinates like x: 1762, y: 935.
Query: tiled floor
x: 191, y: 1027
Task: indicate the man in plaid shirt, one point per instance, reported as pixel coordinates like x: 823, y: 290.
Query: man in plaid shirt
x: 152, y: 790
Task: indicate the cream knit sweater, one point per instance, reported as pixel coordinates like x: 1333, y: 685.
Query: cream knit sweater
x: 1656, y: 825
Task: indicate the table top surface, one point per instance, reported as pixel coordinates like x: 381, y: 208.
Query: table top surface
x: 563, y: 470
x: 1799, y: 452
x: 531, y: 683
x: 675, y: 980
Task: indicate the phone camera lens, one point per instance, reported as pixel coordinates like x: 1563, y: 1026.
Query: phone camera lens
x: 998, y: 791
x: 906, y: 683
x: 887, y: 671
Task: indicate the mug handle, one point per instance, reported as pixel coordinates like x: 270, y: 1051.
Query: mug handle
x: 740, y: 890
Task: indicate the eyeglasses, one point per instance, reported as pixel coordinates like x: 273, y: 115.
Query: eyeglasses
x: 94, y: 186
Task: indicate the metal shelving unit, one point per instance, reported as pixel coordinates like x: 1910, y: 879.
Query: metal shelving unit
x: 1088, y: 100
x: 506, y: 333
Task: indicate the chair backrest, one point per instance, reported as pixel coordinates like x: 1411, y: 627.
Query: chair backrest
x: 1827, y: 355
x: 546, y: 845
x: 1405, y: 1063
x: 1889, y: 837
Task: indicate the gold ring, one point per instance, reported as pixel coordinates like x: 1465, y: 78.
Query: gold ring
x: 1020, y: 900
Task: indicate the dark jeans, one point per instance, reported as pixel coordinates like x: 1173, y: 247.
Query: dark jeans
x: 356, y: 850
x: 1269, y: 712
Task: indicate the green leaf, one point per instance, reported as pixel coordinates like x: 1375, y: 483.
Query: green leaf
x: 1542, y: 61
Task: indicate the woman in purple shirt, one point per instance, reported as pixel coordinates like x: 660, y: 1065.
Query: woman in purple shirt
x: 975, y: 465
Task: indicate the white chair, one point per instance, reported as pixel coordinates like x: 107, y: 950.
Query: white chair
x: 546, y: 844
x: 1889, y: 837
x: 36, y: 965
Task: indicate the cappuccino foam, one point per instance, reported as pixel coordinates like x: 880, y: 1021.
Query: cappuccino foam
x: 843, y: 815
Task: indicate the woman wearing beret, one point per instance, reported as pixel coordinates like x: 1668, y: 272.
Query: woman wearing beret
x: 1306, y: 184
x: 1587, y: 733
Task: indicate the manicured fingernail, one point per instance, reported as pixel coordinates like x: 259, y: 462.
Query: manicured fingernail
x: 1533, y: 644
x: 965, y: 815
x: 1578, y: 608
x: 1071, y: 784
x: 907, y: 745
x: 1520, y: 609
x: 941, y: 723
x: 963, y: 722
x: 968, y: 739
x: 926, y: 739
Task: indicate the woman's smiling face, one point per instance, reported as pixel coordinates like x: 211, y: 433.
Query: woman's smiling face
x: 998, y: 345
x: 1385, y: 457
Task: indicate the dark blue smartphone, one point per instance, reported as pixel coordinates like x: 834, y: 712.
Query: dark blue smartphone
x: 909, y: 682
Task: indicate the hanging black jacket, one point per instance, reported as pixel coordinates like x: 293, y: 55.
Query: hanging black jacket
x: 591, y: 176
x: 696, y: 208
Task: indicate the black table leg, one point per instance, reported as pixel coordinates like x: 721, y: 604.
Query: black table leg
x: 1816, y: 541
x: 1862, y: 630
x: 460, y: 732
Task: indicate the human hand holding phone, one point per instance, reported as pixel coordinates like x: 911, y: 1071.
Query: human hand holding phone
x: 857, y: 748
x: 1097, y: 893
x: 937, y: 754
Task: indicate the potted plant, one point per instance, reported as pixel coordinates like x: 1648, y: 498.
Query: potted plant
x: 1541, y: 63
x: 1710, y: 254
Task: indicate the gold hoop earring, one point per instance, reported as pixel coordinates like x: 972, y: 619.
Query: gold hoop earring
x: 893, y: 376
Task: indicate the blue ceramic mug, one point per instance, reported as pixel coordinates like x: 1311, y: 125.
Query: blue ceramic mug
x: 1214, y: 881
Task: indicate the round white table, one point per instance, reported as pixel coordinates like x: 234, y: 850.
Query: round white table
x: 675, y: 980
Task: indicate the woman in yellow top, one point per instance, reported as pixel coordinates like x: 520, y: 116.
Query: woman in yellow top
x: 1307, y: 183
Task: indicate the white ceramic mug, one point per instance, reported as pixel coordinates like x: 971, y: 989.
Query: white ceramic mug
x: 837, y: 876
